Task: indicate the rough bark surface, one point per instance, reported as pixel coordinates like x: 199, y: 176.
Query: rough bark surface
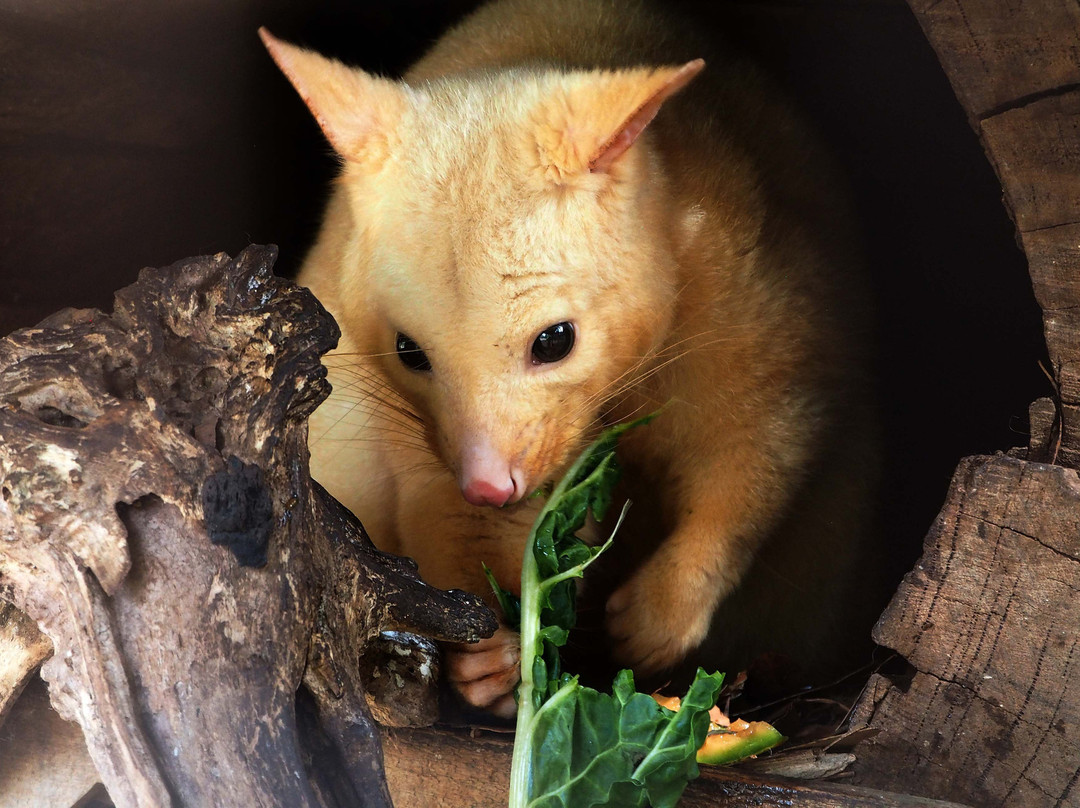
x: 43, y: 759
x: 988, y: 617
x: 1035, y: 149
x: 1000, y: 53
x: 989, y: 621
x: 1015, y: 67
x: 22, y: 649
x: 159, y: 525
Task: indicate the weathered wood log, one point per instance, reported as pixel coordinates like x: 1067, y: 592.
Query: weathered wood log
x: 1035, y: 149
x: 22, y: 650
x: 433, y: 768
x: 1016, y: 70
x: 989, y: 619
x: 998, y: 54
x: 44, y: 763
x: 159, y: 525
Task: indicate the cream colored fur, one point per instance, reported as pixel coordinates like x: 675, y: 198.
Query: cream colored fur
x: 507, y: 185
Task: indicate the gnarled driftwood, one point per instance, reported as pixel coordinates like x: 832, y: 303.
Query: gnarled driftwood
x: 159, y: 525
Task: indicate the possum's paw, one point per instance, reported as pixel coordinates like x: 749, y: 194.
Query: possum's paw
x: 654, y: 621
x: 485, y: 673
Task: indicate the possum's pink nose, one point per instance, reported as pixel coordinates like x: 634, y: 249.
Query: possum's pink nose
x: 483, y: 492
x: 486, y: 477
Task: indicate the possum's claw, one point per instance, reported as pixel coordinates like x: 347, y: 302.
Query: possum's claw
x: 485, y: 673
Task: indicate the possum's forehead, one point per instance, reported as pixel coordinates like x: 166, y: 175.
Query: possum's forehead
x: 506, y: 265
x: 471, y: 189
x: 471, y: 221
x: 469, y: 140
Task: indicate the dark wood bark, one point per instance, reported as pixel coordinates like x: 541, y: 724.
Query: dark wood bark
x: 988, y: 619
x: 160, y: 527
x: 1015, y: 68
x: 999, y: 54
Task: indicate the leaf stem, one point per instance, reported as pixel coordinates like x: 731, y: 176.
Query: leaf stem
x: 532, y: 589
x: 600, y: 454
x: 578, y: 570
x: 530, y: 632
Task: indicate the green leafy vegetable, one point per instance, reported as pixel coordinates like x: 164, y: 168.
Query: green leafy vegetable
x: 576, y: 747
x: 617, y: 750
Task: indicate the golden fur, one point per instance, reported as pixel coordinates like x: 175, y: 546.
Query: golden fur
x: 506, y: 185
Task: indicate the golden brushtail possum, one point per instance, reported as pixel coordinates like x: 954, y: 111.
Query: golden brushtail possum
x: 561, y: 218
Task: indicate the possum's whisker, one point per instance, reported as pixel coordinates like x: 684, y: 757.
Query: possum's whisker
x: 664, y: 351
x: 379, y: 414
x: 353, y: 355
x: 632, y: 377
x: 386, y: 437
x: 387, y: 417
x: 407, y: 473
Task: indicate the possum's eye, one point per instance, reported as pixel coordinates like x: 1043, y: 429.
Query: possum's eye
x: 412, y: 355
x: 553, y: 343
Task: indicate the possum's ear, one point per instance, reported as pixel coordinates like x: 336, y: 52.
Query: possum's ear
x: 357, y: 112
x: 590, y: 121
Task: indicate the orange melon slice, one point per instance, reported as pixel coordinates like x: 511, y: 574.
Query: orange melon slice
x: 728, y: 741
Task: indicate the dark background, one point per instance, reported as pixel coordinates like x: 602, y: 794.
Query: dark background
x: 136, y: 134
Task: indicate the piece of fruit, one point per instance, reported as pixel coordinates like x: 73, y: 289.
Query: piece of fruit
x: 728, y: 741
x: 728, y: 746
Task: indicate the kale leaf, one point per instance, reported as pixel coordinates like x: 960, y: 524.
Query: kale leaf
x: 575, y: 747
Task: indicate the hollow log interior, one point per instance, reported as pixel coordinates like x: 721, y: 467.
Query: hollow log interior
x: 137, y: 134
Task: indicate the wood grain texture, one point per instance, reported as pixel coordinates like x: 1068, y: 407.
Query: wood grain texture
x: 998, y: 52
x: 159, y: 524
x: 1035, y: 150
x: 988, y: 618
x: 22, y: 649
x: 43, y: 758
x: 1015, y: 68
x: 434, y: 768
x: 1054, y: 260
